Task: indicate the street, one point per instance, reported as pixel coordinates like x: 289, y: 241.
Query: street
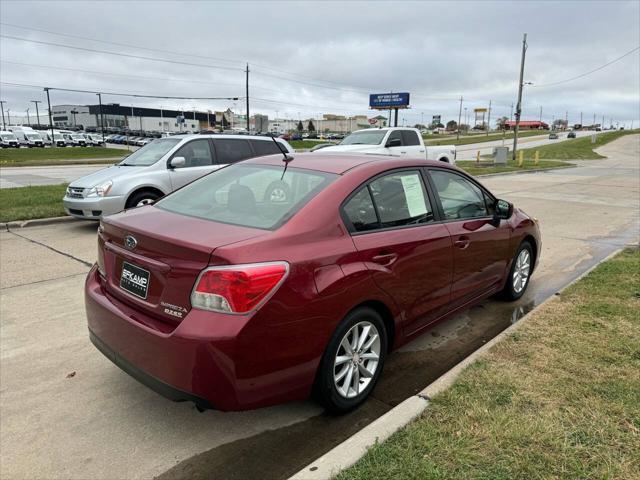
x: 68, y: 412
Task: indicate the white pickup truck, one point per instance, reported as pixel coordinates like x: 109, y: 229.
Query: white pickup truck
x: 396, y: 141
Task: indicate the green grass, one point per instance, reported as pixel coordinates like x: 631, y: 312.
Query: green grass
x: 484, y: 167
x: 58, y: 156
x: 559, y: 398
x: 306, y: 144
x: 433, y: 140
x: 576, y: 149
x: 26, y: 203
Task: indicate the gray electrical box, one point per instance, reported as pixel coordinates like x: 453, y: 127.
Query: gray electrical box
x: 500, y: 155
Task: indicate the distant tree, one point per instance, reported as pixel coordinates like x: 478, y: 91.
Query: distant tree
x: 419, y: 126
x: 300, y: 127
x: 502, y: 122
x: 464, y: 127
x: 311, y: 127
x: 560, y: 123
x: 437, y: 125
x: 452, y: 125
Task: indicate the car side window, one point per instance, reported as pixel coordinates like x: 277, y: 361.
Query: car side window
x: 394, y: 200
x: 232, y: 150
x: 459, y: 197
x: 265, y: 147
x: 361, y: 212
x: 410, y: 138
x: 395, y: 134
x: 196, y: 153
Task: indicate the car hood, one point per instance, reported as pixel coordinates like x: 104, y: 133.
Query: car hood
x: 351, y: 148
x: 101, y: 176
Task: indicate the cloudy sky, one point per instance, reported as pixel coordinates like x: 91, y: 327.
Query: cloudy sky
x: 308, y: 58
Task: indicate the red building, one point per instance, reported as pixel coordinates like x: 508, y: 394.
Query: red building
x: 527, y: 125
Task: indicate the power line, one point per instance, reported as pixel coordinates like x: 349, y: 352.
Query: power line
x: 589, y: 72
x: 118, y: 54
x: 80, y: 37
x: 170, y: 79
x: 117, y: 94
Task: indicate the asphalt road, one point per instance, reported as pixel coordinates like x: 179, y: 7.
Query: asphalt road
x: 69, y: 413
x: 52, y: 175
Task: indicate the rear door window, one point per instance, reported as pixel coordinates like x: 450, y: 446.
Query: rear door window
x: 410, y: 138
x: 394, y: 200
x: 265, y: 147
x: 232, y: 150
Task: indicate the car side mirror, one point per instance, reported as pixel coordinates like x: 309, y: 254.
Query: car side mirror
x: 394, y: 142
x: 502, y: 211
x: 177, y: 162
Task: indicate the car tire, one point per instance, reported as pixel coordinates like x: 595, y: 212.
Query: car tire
x: 362, y: 373
x: 519, y: 273
x: 139, y: 199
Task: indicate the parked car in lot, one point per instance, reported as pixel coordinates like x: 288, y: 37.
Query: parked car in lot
x: 75, y: 139
x: 8, y: 140
x: 396, y: 141
x: 252, y: 299
x: 159, y: 168
x: 571, y: 135
x: 94, y: 139
x: 60, y: 139
x: 553, y: 136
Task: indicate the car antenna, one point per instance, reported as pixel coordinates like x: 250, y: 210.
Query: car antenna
x: 286, y: 158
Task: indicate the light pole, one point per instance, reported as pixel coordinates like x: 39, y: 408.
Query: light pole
x: 73, y: 112
x: 37, y: 112
x: 29, y: 120
x: 422, y: 119
x: 101, y: 115
x: 161, y: 119
x: 9, y: 116
x: 2, y: 102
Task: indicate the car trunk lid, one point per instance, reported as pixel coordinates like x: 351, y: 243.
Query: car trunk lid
x: 151, y: 258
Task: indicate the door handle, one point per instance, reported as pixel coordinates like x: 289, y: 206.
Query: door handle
x: 385, y: 259
x: 462, y: 242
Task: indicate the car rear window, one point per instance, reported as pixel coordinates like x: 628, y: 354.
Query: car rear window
x: 257, y: 196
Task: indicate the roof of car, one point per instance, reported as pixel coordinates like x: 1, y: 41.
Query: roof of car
x: 341, y: 163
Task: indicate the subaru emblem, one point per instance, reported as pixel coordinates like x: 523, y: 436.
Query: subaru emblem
x: 130, y: 242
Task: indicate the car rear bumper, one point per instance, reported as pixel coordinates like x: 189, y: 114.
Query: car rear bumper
x: 92, y: 208
x: 206, y: 358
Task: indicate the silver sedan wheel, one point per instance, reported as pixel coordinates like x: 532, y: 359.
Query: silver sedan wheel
x: 521, y: 272
x: 145, y: 201
x: 357, y: 359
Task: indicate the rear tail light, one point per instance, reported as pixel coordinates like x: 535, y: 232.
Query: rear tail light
x: 238, y: 288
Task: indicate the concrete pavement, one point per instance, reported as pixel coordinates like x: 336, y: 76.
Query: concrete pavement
x: 100, y: 423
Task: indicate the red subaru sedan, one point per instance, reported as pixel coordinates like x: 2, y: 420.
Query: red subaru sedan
x: 259, y: 284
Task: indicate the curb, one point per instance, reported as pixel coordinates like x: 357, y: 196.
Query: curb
x: 520, y: 172
x: 355, y: 447
x: 36, y: 222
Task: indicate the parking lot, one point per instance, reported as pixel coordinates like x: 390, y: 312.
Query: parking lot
x: 68, y: 412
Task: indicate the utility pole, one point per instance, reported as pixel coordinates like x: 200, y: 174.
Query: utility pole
x: 53, y: 140
x: 566, y: 119
x: 28, y: 119
x: 511, y: 112
x: 2, y: 102
x: 489, y: 118
x: 594, y: 121
x: 101, y: 115
x: 459, y: 118
x: 540, y: 113
x: 247, y: 95
x: 37, y: 113
x: 580, y: 120
x: 519, y: 104
x: 602, y: 124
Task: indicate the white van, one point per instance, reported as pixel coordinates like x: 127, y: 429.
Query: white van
x: 27, y: 136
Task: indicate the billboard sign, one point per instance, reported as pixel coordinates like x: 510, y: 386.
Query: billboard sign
x: 435, y: 119
x: 385, y: 101
x: 373, y: 121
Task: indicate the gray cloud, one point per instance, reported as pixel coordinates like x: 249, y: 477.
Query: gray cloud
x: 435, y: 50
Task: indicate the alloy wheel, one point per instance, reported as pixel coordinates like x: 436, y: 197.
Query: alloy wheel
x: 357, y: 359
x: 521, y: 271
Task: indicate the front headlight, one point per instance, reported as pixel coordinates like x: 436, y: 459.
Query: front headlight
x: 100, y: 190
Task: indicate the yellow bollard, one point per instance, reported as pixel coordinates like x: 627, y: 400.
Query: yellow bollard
x: 478, y: 157
x: 521, y: 158
x: 536, y: 158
